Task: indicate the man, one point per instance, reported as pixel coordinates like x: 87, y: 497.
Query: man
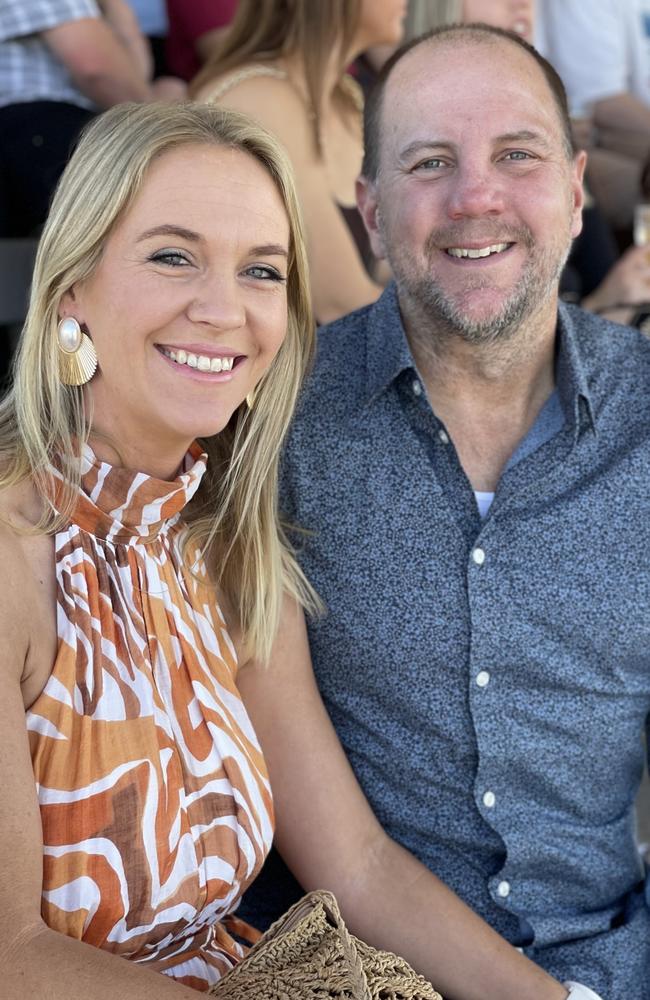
x: 471, y: 462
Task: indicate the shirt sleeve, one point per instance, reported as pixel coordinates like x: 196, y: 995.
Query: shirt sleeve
x: 19, y: 19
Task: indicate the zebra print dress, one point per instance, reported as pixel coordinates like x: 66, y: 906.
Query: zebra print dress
x: 154, y: 796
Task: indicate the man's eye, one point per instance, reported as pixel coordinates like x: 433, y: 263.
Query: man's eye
x: 173, y: 258
x: 517, y: 154
x: 433, y: 163
x: 264, y: 273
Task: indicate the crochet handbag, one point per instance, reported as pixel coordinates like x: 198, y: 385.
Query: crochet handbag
x: 309, y: 954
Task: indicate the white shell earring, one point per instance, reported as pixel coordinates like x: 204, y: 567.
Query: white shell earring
x: 77, y: 355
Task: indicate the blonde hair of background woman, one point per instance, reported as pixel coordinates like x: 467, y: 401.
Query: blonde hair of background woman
x: 234, y: 519
x: 309, y: 30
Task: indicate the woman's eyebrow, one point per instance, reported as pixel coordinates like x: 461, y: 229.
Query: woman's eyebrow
x: 168, y: 229
x: 270, y: 250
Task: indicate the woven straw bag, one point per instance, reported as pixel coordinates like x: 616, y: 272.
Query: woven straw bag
x: 309, y: 954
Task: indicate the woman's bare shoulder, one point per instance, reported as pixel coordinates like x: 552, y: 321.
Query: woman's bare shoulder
x: 27, y: 578
x: 268, y: 95
x: 251, y: 79
x: 21, y: 507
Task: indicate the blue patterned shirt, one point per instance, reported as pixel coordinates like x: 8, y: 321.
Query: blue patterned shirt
x: 490, y: 679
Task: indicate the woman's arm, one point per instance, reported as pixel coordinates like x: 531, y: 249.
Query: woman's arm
x: 36, y: 961
x: 339, y: 280
x: 330, y: 839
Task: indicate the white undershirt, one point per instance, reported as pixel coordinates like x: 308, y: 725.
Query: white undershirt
x: 483, y: 501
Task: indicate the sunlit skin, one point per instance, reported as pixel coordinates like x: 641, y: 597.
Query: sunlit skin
x: 469, y: 167
x: 199, y: 263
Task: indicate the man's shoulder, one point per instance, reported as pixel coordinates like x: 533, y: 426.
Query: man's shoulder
x: 608, y: 350
x: 340, y: 364
x: 333, y: 339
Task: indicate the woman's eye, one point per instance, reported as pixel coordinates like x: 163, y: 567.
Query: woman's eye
x: 264, y: 273
x: 173, y: 258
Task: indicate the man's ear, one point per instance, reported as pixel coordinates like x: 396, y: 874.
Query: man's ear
x: 578, y: 191
x: 367, y: 204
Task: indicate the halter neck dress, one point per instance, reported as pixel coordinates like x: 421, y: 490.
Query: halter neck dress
x: 154, y: 796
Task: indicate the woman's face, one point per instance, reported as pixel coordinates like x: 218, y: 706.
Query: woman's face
x: 188, y: 305
x: 513, y: 15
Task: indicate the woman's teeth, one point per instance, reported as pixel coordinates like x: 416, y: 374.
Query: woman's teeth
x: 200, y: 361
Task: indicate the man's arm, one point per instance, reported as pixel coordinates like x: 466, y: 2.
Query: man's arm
x: 330, y: 839
x: 623, y: 124
x: 120, y: 17
x: 99, y: 64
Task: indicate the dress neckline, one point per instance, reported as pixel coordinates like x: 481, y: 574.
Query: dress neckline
x: 124, y: 505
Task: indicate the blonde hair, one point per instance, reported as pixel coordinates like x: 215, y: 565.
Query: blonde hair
x: 311, y: 30
x: 234, y: 519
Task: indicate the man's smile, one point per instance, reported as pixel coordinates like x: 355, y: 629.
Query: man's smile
x: 475, y: 252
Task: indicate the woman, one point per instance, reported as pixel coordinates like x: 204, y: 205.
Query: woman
x: 284, y: 63
x: 144, y: 576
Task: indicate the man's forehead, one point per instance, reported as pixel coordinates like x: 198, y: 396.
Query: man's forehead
x: 449, y: 77
x: 428, y: 64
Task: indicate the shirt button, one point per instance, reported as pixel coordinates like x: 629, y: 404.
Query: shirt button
x: 483, y: 678
x: 443, y: 437
x: 417, y: 388
x: 478, y: 555
x: 489, y: 800
x: 503, y: 889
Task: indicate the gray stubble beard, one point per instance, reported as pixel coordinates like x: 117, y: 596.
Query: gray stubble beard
x: 441, y: 313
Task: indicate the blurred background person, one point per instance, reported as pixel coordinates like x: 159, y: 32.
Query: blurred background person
x: 195, y: 31
x: 600, y: 51
x: 154, y: 24
x: 284, y: 63
x: 61, y: 61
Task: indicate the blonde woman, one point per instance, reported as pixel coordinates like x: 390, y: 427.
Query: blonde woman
x: 146, y: 581
x: 284, y: 63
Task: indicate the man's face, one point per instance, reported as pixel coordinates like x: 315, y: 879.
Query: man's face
x: 476, y: 202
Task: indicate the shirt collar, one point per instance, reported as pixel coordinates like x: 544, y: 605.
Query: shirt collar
x: 571, y: 375
x: 388, y: 355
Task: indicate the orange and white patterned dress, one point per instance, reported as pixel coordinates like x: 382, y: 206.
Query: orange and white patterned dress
x: 154, y: 796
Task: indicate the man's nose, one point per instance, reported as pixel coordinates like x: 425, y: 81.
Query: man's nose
x: 477, y: 190
x: 218, y: 301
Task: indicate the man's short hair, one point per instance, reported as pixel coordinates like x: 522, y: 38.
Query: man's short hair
x: 454, y: 32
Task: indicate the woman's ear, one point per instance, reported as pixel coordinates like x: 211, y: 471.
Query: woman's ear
x: 69, y: 305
